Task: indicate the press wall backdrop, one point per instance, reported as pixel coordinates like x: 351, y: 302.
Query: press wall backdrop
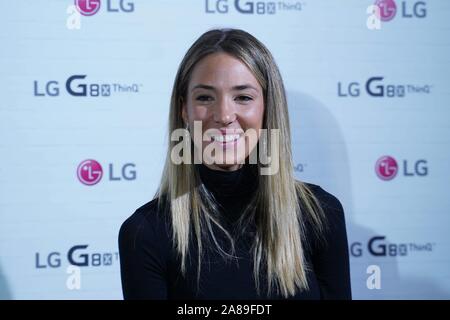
x: 84, y: 98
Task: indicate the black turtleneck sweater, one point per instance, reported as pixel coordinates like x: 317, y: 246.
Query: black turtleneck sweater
x: 150, y: 266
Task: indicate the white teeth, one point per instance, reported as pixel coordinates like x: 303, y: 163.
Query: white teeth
x: 226, y: 138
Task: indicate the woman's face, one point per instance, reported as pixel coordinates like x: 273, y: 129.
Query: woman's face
x: 224, y: 95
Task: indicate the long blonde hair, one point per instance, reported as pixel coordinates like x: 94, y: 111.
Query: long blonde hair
x: 281, y: 204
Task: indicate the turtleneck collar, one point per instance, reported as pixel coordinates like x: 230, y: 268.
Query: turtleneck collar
x: 230, y: 183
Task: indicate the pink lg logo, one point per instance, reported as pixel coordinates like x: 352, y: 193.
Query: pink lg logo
x: 89, y: 172
x: 388, y: 9
x: 87, y: 7
x: 386, y: 168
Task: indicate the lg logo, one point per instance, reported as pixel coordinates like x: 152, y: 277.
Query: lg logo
x: 87, y: 7
x: 386, y: 168
x: 379, y: 247
x: 386, y: 10
x: 243, y: 7
x: 376, y: 87
x: 251, y: 7
x: 91, y: 7
x: 90, y: 172
x: 77, y: 86
x: 78, y: 256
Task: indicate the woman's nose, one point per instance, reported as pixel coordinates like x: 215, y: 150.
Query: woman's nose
x: 224, y: 112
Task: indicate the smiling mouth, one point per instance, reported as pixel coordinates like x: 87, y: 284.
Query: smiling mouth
x: 225, y: 138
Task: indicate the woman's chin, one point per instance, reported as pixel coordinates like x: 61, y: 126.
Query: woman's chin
x: 229, y: 164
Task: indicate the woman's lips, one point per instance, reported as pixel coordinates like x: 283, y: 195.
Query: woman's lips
x: 226, y: 140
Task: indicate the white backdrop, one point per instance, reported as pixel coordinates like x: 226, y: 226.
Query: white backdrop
x: 369, y: 106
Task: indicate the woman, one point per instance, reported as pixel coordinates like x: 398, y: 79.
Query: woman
x: 222, y: 226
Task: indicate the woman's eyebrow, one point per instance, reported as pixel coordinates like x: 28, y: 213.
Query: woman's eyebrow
x: 243, y: 87
x: 235, y: 88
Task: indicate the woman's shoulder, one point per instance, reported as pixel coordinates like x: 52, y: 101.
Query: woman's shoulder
x: 334, y: 217
x: 328, y: 201
x: 149, y: 222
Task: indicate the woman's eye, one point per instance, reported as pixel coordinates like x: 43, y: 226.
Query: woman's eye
x: 204, y: 98
x: 244, y: 98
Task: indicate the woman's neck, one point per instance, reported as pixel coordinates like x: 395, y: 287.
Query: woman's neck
x: 240, y: 181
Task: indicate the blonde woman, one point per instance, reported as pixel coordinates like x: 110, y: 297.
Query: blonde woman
x: 233, y: 223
